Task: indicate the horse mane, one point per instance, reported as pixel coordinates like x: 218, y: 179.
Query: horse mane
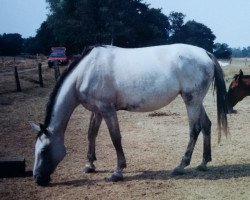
x: 64, y: 75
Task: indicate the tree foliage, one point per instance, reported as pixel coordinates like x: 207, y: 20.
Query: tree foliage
x: 198, y: 34
x: 10, y: 44
x: 176, y: 20
x: 88, y: 22
x: 241, y: 52
x: 191, y: 32
x: 222, y: 51
x: 127, y: 23
x: 42, y: 42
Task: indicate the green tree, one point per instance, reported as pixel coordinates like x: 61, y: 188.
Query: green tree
x: 42, y: 42
x: 11, y: 44
x: 222, y: 51
x: 245, y: 52
x: 131, y: 23
x: 176, y: 20
x: 45, y: 39
x: 30, y: 45
x: 191, y: 32
x: 241, y: 52
x: 77, y: 23
x: 199, y: 35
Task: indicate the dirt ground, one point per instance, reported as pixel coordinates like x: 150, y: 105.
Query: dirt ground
x: 153, y: 143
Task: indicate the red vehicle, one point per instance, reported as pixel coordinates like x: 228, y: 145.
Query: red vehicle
x: 58, y: 54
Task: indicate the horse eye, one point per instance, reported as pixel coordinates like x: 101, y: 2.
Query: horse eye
x: 44, y: 151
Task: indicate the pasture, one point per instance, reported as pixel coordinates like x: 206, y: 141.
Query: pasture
x: 153, y: 145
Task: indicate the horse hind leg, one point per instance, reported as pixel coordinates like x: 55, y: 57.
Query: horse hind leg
x: 194, y: 112
x: 94, y: 125
x: 206, y: 130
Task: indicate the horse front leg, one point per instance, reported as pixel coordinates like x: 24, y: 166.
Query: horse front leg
x: 94, y: 125
x: 114, y: 130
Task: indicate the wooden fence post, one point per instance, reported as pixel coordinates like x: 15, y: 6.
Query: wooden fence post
x: 18, y: 86
x: 57, y: 71
x: 40, y: 74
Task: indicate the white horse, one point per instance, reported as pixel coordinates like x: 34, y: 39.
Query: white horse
x: 107, y: 79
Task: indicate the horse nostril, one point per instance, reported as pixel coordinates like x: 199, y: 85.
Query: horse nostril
x: 42, y: 181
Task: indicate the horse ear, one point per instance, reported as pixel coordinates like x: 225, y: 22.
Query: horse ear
x: 240, y: 73
x: 44, y: 130
x: 238, y: 76
x: 35, y: 127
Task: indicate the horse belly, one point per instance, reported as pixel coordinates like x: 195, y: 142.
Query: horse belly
x: 141, y: 99
x: 150, y: 105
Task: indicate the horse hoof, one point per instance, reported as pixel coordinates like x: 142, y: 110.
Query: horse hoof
x: 202, y: 168
x: 178, y: 171
x: 89, y: 169
x: 115, y: 177
x: 42, y: 181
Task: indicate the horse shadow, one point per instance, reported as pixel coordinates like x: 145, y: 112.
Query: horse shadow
x: 75, y: 183
x: 213, y: 173
x: 80, y: 182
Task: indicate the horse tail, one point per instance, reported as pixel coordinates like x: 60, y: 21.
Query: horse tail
x: 221, y: 95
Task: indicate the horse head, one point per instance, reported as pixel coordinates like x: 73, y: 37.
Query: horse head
x: 49, y: 151
x: 236, y: 90
x: 240, y: 75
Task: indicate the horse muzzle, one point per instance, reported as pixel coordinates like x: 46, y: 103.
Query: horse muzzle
x: 42, y: 180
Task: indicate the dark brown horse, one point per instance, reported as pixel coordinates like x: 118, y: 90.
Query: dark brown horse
x: 238, y: 89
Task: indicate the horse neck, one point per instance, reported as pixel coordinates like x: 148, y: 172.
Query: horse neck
x: 246, y: 81
x: 64, y: 105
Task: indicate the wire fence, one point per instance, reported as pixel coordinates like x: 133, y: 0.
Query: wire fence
x: 18, y: 74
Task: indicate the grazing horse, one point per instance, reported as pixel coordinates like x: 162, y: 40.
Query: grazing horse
x: 107, y: 79
x: 238, y: 89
